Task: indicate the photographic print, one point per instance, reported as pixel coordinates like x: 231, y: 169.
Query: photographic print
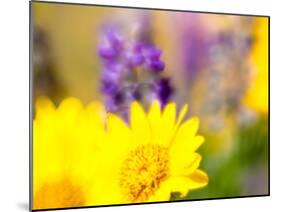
x: 135, y: 105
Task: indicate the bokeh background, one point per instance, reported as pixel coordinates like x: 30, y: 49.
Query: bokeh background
x: 218, y: 64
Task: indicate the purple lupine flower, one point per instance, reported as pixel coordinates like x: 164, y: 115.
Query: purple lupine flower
x: 195, y: 46
x: 152, y: 52
x: 156, y: 65
x: 149, y: 55
x: 164, y: 90
x: 120, y: 83
x: 153, y: 61
x: 112, y: 44
x: 110, y: 50
x: 136, y: 94
x: 135, y: 55
x: 111, y: 76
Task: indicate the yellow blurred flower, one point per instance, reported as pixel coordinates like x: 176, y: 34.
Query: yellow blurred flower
x: 153, y: 157
x: 257, y: 94
x: 81, y: 160
x: 63, y: 139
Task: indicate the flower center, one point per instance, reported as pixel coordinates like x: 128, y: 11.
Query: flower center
x: 58, y: 195
x: 142, y: 172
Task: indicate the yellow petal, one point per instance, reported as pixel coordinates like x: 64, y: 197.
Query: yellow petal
x: 68, y: 111
x: 197, y: 179
x: 116, y: 125
x: 95, y: 112
x: 154, y: 117
x: 182, y: 115
x: 169, y: 115
x: 188, y: 128
x: 179, y: 184
x: 180, y: 118
x: 167, y: 124
x: 184, y: 164
x: 163, y: 193
x: 173, y: 184
x: 44, y: 109
x: 118, y: 129
x: 185, y: 141
x: 91, y: 122
x: 194, y: 164
x: 139, y: 123
x: 44, y: 103
x: 47, y: 153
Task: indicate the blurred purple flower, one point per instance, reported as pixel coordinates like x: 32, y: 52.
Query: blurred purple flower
x: 152, y: 52
x: 135, y: 55
x: 147, y: 55
x: 112, y: 44
x: 164, y: 90
x: 194, y: 47
x: 153, y: 61
x: 156, y: 65
x: 120, y: 83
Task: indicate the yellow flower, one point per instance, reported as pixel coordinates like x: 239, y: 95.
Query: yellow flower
x: 153, y: 157
x: 63, y: 139
x: 257, y: 94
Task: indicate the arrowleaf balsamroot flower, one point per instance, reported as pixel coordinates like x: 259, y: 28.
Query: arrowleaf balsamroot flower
x: 63, y: 152
x: 151, y: 158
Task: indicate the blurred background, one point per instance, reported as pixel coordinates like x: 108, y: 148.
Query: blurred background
x: 217, y: 64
